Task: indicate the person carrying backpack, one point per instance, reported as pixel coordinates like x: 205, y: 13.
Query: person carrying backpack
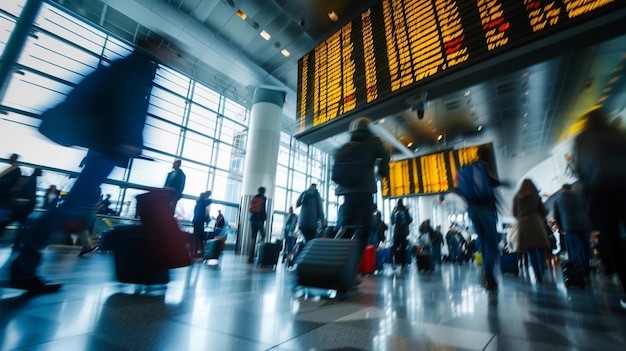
x: 400, y: 218
x: 353, y: 173
x: 476, y: 184
x: 311, y: 212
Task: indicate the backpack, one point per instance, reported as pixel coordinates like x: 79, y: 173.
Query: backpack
x: 400, y: 218
x: 350, y: 165
x: 256, y: 204
x: 473, y: 183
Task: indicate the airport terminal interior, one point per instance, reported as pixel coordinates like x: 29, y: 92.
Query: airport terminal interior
x: 439, y: 82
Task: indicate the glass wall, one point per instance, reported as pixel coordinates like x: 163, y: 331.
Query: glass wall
x: 186, y: 120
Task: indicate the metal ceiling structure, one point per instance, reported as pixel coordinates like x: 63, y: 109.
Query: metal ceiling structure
x: 524, y: 112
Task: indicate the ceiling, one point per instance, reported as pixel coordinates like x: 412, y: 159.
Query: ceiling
x: 525, y: 109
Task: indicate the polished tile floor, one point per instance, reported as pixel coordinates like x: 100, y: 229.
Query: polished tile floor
x: 235, y: 306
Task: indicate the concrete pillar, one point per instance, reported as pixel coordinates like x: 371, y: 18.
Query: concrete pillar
x: 261, y: 159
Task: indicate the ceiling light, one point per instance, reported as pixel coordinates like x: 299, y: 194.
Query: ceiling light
x: 440, y: 137
x: 241, y: 14
x: 265, y: 35
x: 480, y: 128
x: 285, y: 52
x: 409, y: 144
x: 613, y: 80
x: 333, y: 16
x: 525, y: 114
x: 467, y: 93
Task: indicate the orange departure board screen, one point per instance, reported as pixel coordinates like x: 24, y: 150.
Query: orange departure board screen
x: 433, y: 173
x: 397, y: 45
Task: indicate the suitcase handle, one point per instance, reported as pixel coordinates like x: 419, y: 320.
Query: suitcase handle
x: 355, y: 229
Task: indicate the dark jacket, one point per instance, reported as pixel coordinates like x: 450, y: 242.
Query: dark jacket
x: 570, y: 212
x: 401, y: 230
x: 176, y: 180
x: 600, y: 157
x: 531, y: 223
x: 312, y: 212
x: 373, y: 149
x: 7, y: 181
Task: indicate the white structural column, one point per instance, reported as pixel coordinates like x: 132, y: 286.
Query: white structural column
x: 261, y: 158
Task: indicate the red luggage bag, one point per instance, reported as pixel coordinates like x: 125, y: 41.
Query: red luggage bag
x: 367, y: 265
x: 165, y: 243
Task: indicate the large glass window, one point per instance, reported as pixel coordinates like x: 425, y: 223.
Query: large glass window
x: 186, y: 120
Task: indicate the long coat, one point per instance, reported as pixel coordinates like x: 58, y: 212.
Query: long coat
x: 530, y: 214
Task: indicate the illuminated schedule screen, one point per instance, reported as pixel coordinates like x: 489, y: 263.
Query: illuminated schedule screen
x: 432, y: 173
x: 398, y: 44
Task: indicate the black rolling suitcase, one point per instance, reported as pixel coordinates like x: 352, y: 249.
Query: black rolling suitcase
x: 131, y: 262
x: 573, y: 274
x: 329, y: 263
x: 424, y: 262
x: 213, y: 249
x: 268, y: 254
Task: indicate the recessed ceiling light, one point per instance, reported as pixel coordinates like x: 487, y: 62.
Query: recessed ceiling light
x: 333, y: 16
x: 410, y: 144
x: 285, y: 52
x: 480, y: 128
x: 242, y: 14
x: 265, y: 35
x: 467, y: 93
x: 440, y: 137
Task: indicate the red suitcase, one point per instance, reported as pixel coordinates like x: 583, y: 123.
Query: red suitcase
x: 165, y: 243
x: 367, y: 265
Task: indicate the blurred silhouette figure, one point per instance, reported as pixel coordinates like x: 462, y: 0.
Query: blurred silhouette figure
x: 113, y: 101
x: 175, y: 181
x: 8, y: 177
x: 312, y: 212
x: 220, y: 224
x: 51, y: 198
x: 23, y: 198
x: 200, y: 217
x: 358, y: 204
x: 531, y: 226
x: 600, y: 161
x: 570, y: 213
x: 258, y: 216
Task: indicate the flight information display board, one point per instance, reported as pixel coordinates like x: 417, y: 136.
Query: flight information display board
x: 433, y: 173
x: 398, y: 44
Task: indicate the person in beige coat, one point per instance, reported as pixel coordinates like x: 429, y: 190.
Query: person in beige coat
x: 532, y: 237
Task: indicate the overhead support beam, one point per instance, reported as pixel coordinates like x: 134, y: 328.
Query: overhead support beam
x: 387, y: 137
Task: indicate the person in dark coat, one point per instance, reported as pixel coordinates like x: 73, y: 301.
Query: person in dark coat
x: 436, y: 242
x: 175, y: 181
x: 51, y: 198
x: 311, y: 213
x: 570, y: 213
x: 401, y: 219
x: 531, y: 226
x: 600, y: 161
x: 358, y: 204
x: 118, y: 109
x: 200, y: 217
x: 23, y: 199
x: 8, y: 178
